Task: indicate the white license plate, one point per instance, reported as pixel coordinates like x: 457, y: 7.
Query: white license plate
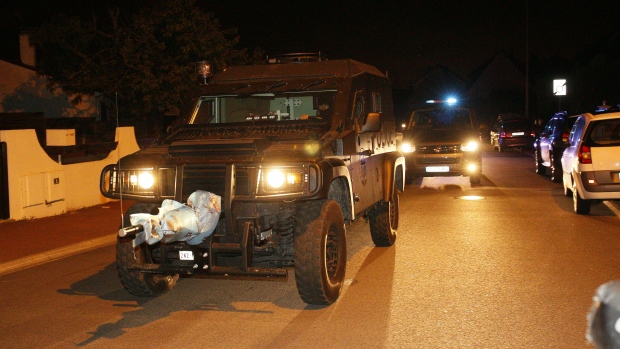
x: 186, y: 255
x: 437, y: 169
x: 518, y: 133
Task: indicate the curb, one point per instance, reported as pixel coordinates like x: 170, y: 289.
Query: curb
x: 56, y: 254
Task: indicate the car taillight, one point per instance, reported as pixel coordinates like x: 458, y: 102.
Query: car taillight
x: 502, y: 134
x: 565, y: 137
x: 585, y: 156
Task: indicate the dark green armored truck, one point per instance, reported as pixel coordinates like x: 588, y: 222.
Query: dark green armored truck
x: 287, y: 153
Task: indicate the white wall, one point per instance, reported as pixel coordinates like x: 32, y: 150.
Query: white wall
x: 41, y: 187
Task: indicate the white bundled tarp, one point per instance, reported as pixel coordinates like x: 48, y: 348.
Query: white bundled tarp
x: 191, y: 223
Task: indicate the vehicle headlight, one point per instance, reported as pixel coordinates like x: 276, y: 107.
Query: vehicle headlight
x: 407, y: 148
x: 287, y: 180
x: 146, y: 180
x: 144, y: 183
x: 143, y: 179
x: 469, y: 146
x: 275, y: 178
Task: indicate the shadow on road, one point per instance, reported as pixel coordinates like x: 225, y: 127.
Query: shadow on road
x: 215, y: 294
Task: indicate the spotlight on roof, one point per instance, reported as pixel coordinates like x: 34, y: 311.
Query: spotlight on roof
x: 204, y: 72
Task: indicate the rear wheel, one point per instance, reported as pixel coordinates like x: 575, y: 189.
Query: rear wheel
x: 384, y: 221
x: 540, y: 168
x: 580, y: 206
x: 320, y: 252
x: 138, y: 283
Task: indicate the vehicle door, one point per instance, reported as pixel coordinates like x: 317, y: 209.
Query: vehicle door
x: 360, y: 168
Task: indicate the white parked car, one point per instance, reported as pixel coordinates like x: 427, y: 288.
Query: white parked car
x: 591, y: 163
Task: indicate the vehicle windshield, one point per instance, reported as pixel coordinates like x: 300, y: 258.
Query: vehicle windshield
x: 604, y: 132
x: 441, y: 118
x: 264, y: 107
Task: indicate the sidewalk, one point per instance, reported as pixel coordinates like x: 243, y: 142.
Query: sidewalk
x: 26, y: 243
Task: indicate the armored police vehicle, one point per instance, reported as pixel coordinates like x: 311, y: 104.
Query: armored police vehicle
x: 262, y: 176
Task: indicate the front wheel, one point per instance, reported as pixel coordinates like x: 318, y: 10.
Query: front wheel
x: 320, y: 252
x: 556, y: 169
x: 384, y: 221
x: 138, y: 283
x: 474, y: 179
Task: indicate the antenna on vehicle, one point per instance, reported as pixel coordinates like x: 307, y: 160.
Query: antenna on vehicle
x: 118, y: 150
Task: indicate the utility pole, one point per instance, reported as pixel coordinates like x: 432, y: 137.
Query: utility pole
x: 527, y: 60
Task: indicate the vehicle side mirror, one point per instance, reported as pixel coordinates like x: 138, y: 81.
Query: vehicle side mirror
x: 373, y: 123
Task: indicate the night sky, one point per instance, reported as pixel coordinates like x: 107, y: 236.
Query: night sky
x: 402, y: 38
x: 405, y: 38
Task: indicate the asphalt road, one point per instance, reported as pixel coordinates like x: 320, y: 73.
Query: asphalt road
x: 513, y: 269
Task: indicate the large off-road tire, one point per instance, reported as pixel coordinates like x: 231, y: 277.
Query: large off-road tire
x: 383, y: 220
x: 540, y: 168
x: 320, y: 251
x: 137, y: 283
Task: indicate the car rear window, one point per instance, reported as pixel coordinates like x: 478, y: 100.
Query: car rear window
x: 516, y: 124
x: 603, y: 132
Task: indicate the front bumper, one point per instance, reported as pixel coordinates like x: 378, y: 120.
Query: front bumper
x: 429, y: 165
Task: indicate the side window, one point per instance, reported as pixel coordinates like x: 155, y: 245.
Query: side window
x: 358, y: 110
x: 376, y: 102
x: 549, y: 127
x: 575, y: 133
x: 554, y: 126
x: 205, y: 111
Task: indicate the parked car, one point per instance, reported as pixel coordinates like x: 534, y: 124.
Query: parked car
x: 442, y: 141
x: 591, y: 162
x: 551, y: 143
x: 512, y: 133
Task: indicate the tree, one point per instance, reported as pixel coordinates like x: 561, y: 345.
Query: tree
x: 144, y: 58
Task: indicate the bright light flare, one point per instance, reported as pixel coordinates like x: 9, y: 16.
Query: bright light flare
x: 146, y: 180
x: 470, y: 146
x: 275, y: 178
x: 407, y: 148
x: 472, y: 168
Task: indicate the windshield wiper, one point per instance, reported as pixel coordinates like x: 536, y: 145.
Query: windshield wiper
x: 239, y: 87
x: 318, y: 82
x: 277, y: 84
